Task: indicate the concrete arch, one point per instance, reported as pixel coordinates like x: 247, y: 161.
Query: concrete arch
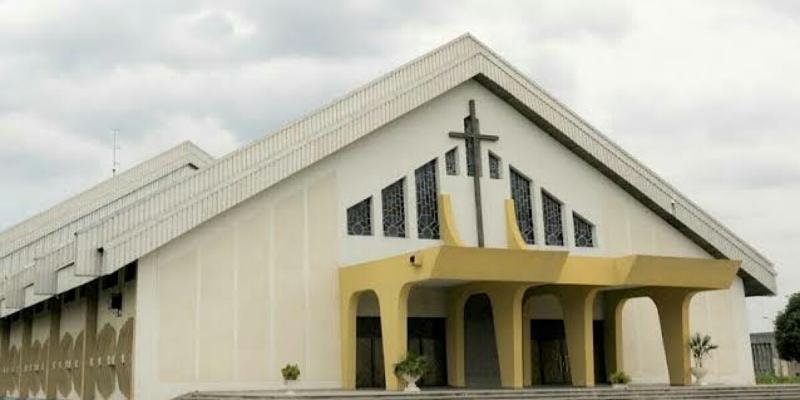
x: 577, y: 305
x: 393, y: 307
x: 672, y: 306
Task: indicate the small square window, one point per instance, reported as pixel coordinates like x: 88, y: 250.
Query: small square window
x: 451, y: 161
x: 359, y: 218
x: 494, y: 166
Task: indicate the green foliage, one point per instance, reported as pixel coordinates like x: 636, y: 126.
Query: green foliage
x: 769, y: 379
x: 787, y: 330
x: 413, y: 365
x: 700, y: 346
x: 290, y: 372
x: 619, y: 378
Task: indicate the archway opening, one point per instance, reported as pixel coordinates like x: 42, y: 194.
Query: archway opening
x: 643, y: 355
x: 481, y: 365
x: 548, y: 353
x: 370, y: 372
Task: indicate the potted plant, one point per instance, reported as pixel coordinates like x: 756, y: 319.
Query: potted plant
x: 619, y: 380
x: 290, y: 374
x: 700, y: 347
x: 412, y: 368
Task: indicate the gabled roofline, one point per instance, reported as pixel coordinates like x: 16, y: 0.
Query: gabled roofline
x: 246, y: 172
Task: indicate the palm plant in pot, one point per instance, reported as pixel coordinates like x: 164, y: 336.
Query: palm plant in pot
x: 290, y: 374
x: 412, y: 368
x: 619, y: 380
x: 700, y: 347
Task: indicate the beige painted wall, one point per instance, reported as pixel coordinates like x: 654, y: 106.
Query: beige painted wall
x: 229, y: 303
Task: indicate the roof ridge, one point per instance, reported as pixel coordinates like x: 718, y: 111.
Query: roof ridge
x: 68, y: 205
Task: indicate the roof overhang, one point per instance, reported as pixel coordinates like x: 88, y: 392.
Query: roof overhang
x: 458, y: 264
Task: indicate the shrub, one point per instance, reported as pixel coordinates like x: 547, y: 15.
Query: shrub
x: 413, y: 365
x: 787, y: 330
x: 700, y: 347
x: 619, y: 378
x: 290, y: 372
x: 769, y: 379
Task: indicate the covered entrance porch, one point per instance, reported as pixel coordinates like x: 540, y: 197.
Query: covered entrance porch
x: 507, y: 281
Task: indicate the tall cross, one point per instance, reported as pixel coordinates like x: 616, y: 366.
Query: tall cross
x: 472, y: 138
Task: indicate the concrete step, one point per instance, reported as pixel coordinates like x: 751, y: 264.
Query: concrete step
x: 603, y: 393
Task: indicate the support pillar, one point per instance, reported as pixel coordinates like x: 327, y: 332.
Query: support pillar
x: 455, y: 338
x: 612, y: 327
x: 348, y: 312
x: 527, y: 360
x: 5, y: 339
x: 393, y: 303
x: 25, y: 354
x: 673, y: 313
x: 507, y: 312
x: 54, y: 342
x: 577, y: 303
x: 89, y: 341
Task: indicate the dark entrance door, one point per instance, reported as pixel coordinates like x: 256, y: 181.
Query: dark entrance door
x: 426, y: 336
x: 550, y: 357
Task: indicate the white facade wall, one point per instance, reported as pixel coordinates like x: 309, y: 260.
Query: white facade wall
x: 228, y: 304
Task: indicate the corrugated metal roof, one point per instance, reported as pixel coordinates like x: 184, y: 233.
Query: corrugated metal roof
x: 148, y: 224
x: 44, y: 237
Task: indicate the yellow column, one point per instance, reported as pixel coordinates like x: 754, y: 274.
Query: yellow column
x: 527, y: 361
x: 673, y: 313
x: 394, y: 321
x: 612, y: 327
x: 507, y: 312
x: 348, y: 312
x: 577, y: 304
x: 455, y: 338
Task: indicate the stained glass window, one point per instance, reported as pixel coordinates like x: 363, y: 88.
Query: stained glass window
x: 359, y: 218
x: 451, y: 161
x: 553, y: 221
x: 394, y: 209
x: 494, y: 166
x: 469, y: 149
x: 584, y: 231
x: 521, y: 194
x: 427, y: 203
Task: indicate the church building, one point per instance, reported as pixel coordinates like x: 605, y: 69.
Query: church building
x: 450, y: 208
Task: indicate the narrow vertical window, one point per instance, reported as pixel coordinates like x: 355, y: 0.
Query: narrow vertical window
x: 394, y: 210
x: 359, y: 218
x: 553, y: 221
x: 584, y: 231
x: 521, y: 195
x: 451, y: 161
x: 427, y: 203
x: 494, y: 166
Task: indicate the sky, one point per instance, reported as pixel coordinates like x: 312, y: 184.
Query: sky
x: 706, y: 94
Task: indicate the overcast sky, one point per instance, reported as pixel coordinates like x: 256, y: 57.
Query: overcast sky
x: 706, y: 94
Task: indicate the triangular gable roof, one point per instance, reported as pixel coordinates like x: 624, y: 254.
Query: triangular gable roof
x: 165, y: 215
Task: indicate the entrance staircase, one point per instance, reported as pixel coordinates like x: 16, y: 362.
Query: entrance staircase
x: 600, y: 393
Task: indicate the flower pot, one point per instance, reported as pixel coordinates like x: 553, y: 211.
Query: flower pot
x: 619, y: 386
x: 288, y: 384
x: 411, y: 383
x: 699, y: 373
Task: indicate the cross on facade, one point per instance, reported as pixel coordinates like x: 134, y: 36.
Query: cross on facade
x: 472, y: 138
